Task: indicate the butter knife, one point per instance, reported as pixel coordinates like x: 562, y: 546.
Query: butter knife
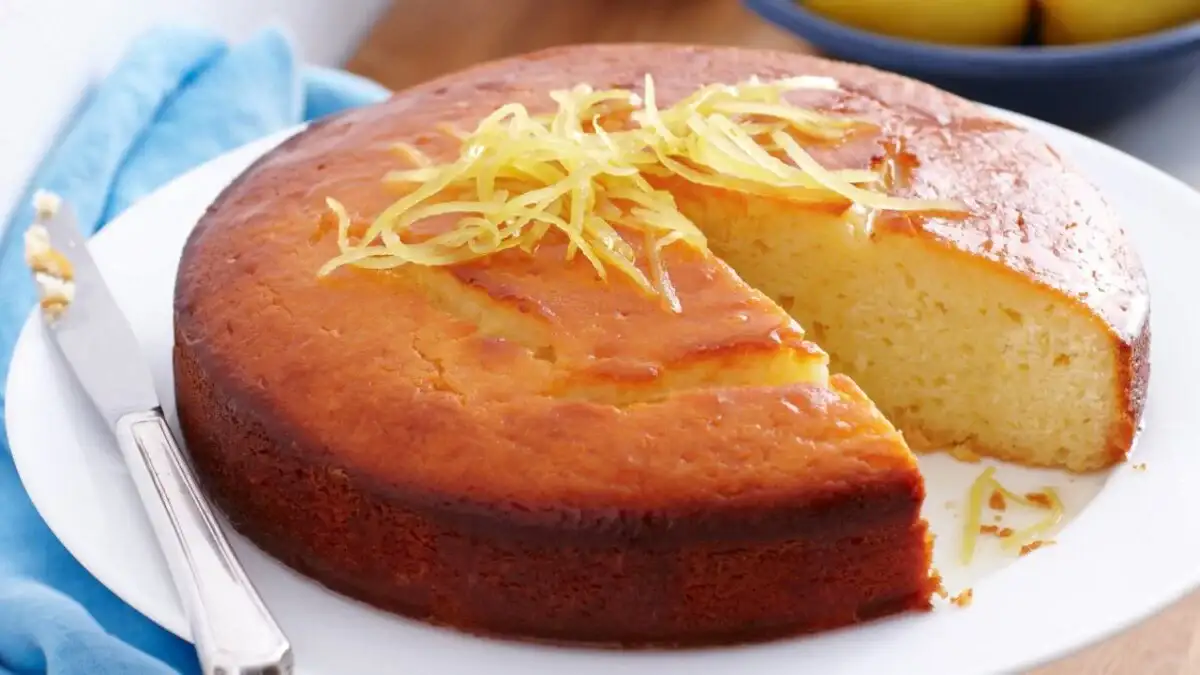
x: 233, y: 631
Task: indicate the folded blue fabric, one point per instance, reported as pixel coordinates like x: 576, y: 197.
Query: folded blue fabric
x: 179, y: 97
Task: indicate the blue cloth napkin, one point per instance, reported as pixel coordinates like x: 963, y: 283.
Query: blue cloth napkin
x: 178, y: 97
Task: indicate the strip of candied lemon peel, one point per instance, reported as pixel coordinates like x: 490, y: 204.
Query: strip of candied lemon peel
x: 976, y: 497
x: 582, y: 171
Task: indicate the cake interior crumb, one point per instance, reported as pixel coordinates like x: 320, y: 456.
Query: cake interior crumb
x: 53, y: 274
x: 996, y: 501
x: 1035, y: 545
x: 963, y: 599
x: 46, y: 204
x: 1001, y: 532
x: 939, y: 588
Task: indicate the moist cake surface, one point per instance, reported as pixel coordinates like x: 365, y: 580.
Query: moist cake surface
x: 516, y: 446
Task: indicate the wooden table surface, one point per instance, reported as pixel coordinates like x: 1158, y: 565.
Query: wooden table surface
x: 419, y: 39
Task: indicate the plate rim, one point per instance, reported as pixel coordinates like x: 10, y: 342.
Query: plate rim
x: 1167, y: 593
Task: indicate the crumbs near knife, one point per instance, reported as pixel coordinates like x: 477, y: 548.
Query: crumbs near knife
x: 53, y: 274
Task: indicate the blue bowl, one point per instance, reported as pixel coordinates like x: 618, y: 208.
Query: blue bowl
x: 1082, y: 87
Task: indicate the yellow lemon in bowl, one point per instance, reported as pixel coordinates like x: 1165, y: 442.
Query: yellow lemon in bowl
x: 957, y: 22
x: 1067, y: 22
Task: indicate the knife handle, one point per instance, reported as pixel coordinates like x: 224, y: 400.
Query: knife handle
x: 232, y: 629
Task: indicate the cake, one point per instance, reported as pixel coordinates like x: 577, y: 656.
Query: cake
x: 514, y: 444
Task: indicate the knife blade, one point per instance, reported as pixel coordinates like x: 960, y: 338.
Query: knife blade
x: 233, y: 631
x: 91, y: 332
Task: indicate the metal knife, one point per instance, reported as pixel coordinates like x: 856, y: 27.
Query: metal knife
x: 232, y: 629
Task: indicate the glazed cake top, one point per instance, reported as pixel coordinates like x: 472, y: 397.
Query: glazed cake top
x: 526, y: 380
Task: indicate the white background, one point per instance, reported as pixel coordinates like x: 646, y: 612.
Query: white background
x: 51, y: 50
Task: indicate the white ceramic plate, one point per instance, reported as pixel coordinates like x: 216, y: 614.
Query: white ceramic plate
x: 1128, y: 549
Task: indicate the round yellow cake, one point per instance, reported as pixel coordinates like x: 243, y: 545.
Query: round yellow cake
x: 513, y: 444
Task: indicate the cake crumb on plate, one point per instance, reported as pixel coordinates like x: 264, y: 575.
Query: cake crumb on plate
x: 963, y: 599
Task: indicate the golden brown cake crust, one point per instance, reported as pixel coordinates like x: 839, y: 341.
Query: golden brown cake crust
x: 369, y: 434
x: 622, y: 575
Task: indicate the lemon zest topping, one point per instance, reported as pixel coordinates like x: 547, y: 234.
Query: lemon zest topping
x: 586, y: 171
x: 977, y: 498
x: 975, y: 501
x: 412, y: 154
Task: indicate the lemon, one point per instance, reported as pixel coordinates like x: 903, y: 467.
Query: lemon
x: 962, y: 22
x: 1067, y: 22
